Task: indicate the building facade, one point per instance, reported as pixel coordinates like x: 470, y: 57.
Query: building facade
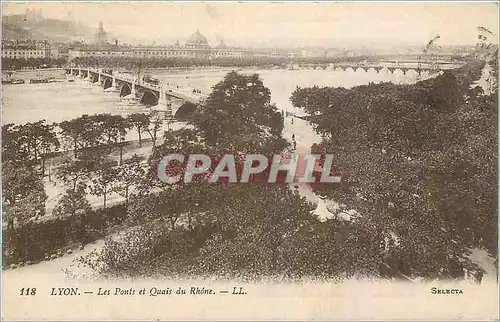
x: 27, y: 49
x: 196, y: 46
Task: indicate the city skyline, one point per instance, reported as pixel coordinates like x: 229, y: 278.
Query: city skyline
x: 280, y: 24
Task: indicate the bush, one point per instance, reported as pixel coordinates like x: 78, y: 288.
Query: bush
x: 35, y: 240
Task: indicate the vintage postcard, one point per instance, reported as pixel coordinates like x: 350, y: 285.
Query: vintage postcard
x: 249, y: 161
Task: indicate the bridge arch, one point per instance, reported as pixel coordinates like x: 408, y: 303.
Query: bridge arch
x: 412, y: 71
x: 149, y: 98
x: 125, y: 89
x: 185, y: 110
x: 398, y: 71
x: 108, y: 82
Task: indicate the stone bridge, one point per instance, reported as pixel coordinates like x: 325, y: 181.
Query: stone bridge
x: 391, y: 67
x: 170, y: 99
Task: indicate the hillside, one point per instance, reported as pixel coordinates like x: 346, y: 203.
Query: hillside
x: 20, y: 27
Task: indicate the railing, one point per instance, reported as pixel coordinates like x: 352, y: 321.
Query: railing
x: 174, y: 90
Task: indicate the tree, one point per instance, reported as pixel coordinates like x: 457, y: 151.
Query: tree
x: 265, y: 230
x: 238, y: 116
x: 30, y: 141
x: 112, y: 127
x: 126, y: 253
x: 163, y: 207
x: 182, y: 141
x: 141, y: 123
x: 23, y: 195
x: 14, y: 149
x: 73, y: 202
x: 131, y: 173
x: 195, y: 198
x: 39, y: 134
x: 74, y: 172
x: 154, y: 126
x: 103, y: 179
x: 82, y: 132
x: 170, y: 206
x: 48, y: 142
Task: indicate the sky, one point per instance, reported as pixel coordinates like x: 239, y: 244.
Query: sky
x: 279, y: 24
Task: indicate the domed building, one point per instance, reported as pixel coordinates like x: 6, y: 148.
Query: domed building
x: 197, y: 41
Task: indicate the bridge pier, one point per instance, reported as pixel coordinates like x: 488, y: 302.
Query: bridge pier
x: 132, y: 90
x: 164, y: 106
x: 163, y: 97
x: 88, y: 78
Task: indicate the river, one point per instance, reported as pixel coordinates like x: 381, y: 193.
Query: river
x: 61, y: 101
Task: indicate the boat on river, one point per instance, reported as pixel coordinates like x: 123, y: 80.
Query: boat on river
x: 12, y: 81
x: 38, y: 81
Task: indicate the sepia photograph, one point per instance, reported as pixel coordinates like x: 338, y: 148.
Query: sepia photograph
x: 249, y: 160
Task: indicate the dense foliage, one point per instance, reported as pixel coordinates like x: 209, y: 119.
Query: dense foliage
x: 37, y: 241
x: 395, y: 169
x: 26, y: 63
x: 419, y: 160
x: 238, y: 116
x: 86, y: 170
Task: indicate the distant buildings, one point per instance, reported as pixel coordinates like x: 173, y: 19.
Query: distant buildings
x: 28, y: 49
x: 196, y: 46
